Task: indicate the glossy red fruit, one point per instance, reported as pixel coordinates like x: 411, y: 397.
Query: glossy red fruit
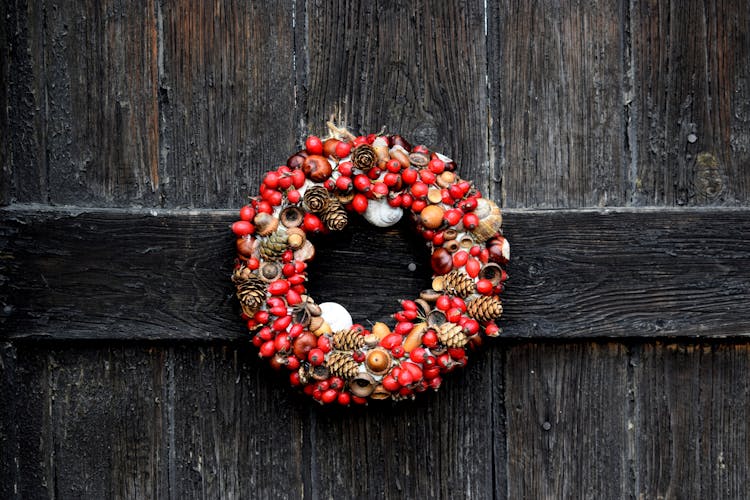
x: 460, y: 258
x: 343, y: 149
x: 267, y: 349
x: 314, y: 145
x: 311, y: 223
x: 485, y: 287
x: 359, y: 203
x: 242, y: 228
x: 471, y: 221
x: 472, y: 267
x: 329, y: 396
x: 278, y: 287
x: 247, y: 213
x: 344, y: 398
x: 390, y: 383
x: 362, y: 183
x: 316, y: 356
x: 409, y: 176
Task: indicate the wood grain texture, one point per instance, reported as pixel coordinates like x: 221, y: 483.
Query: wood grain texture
x: 25, y: 166
x: 555, y: 76
x: 101, y: 84
x: 691, y: 103
x: 240, y: 430
x: 420, y: 449
x: 415, y: 68
x: 83, y: 423
x: 228, y: 104
x: 693, y: 409
x: 6, y: 176
x: 578, y: 274
x: 567, y: 421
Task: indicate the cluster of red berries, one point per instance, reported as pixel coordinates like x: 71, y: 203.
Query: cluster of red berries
x: 380, y: 177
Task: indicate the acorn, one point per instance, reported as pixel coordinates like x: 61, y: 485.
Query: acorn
x: 295, y: 238
x: 269, y: 271
x: 399, y: 154
x: 378, y: 361
x: 414, y: 339
x: 491, y: 272
x: 362, y: 385
x: 380, y: 330
x: 292, y: 216
x: 441, y: 261
x: 265, y: 224
x: 432, y: 216
x: 419, y: 159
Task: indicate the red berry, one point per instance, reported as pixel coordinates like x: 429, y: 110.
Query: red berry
x: 392, y: 340
x: 344, y: 398
x: 293, y: 196
x: 362, y: 183
x: 471, y: 221
x: 267, y: 349
x: 418, y: 355
x: 460, y: 258
x: 359, y: 203
x: 485, y: 287
x: 390, y: 179
x: 298, y: 178
x: 443, y: 303
x: 393, y: 166
x: 265, y: 207
x: 419, y: 189
x: 409, y: 305
x: 398, y: 351
x: 436, y: 166
x: 403, y: 328
x: 316, y: 357
x: 453, y: 314
x: 405, y: 378
x: 472, y: 267
x: 282, y: 323
x: 379, y: 189
x: 314, y: 145
x: 293, y: 298
x: 455, y: 191
x: 282, y: 343
x: 409, y: 176
x: 247, y: 213
x: 390, y: 383
x: 459, y: 303
x: 311, y: 223
x: 242, y: 228
x: 471, y: 326
x: 253, y: 263
x: 345, y: 168
x: 427, y: 176
x: 417, y: 206
x: 452, y: 216
x: 344, y: 183
x: 271, y: 180
x: 343, y: 149
x: 430, y: 339
x: 406, y: 200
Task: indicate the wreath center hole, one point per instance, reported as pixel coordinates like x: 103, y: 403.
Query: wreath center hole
x: 368, y: 269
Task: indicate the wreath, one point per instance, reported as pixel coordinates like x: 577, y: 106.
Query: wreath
x: 380, y: 177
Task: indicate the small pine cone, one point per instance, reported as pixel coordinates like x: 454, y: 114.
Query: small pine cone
x: 458, y: 283
x: 452, y: 335
x: 484, y: 308
x: 334, y: 216
x: 252, y: 294
x: 342, y: 364
x: 316, y: 199
x: 348, y: 340
x: 364, y: 157
x: 272, y: 247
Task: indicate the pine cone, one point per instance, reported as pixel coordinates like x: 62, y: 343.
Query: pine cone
x: 272, y: 247
x: 342, y: 364
x: 252, y: 293
x: 334, y: 216
x: 364, y: 157
x: 458, y: 283
x: 316, y: 199
x: 484, y: 308
x: 349, y: 339
x: 452, y: 335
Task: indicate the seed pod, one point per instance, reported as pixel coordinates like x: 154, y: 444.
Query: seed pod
x: 364, y: 157
x: 291, y: 216
x: 316, y: 199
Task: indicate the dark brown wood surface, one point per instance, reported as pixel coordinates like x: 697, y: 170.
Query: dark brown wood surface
x: 117, y: 274
x: 124, y: 372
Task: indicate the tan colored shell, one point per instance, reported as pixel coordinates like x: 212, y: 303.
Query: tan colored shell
x: 490, y: 220
x: 362, y: 385
x: 296, y: 237
x: 265, y: 224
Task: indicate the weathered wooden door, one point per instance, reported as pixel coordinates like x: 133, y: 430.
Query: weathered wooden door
x: 616, y: 134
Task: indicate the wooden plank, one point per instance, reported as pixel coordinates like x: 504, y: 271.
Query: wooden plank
x: 693, y: 409
x: 239, y: 428
x: 440, y: 446
x: 85, y: 423
x: 387, y: 64
x: 25, y: 166
x: 134, y: 274
x: 228, y: 108
x: 567, y: 421
x: 557, y: 114
x: 691, y: 103
x: 102, y: 88
x: 6, y: 175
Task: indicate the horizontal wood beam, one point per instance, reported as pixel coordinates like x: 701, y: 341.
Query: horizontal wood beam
x: 144, y: 274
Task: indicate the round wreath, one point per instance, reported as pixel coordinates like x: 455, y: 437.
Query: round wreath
x: 380, y: 177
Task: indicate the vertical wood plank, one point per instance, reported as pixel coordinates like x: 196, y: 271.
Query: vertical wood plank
x: 567, y: 421
x: 85, y: 422
x: 238, y: 427
x: 5, y: 168
x: 25, y: 465
x: 415, y: 68
x: 101, y: 73
x: 228, y: 98
x: 439, y: 446
x: 693, y: 414
x: 555, y: 75
x: 26, y: 140
x: 692, y: 102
